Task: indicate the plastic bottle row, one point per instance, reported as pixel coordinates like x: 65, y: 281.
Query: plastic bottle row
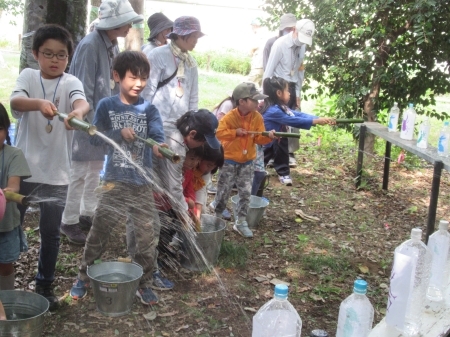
x: 407, y: 129
x: 418, y: 272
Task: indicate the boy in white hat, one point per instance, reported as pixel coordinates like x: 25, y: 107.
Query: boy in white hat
x: 92, y: 65
x: 173, y: 84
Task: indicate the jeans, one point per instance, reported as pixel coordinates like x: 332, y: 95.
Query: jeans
x: 51, y: 208
x: 258, y: 178
x: 278, y: 151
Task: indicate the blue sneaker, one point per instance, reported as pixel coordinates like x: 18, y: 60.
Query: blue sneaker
x: 147, y: 296
x: 160, y: 282
x: 79, y: 289
x: 226, y: 214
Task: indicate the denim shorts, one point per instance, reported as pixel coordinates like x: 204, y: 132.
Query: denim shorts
x: 12, y: 243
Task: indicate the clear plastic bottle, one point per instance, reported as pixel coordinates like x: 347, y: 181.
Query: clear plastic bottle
x: 424, y: 132
x: 393, y: 118
x: 409, y: 118
x: 420, y: 260
x: 439, y: 245
x: 443, y: 141
x: 355, y: 313
x: 277, y: 318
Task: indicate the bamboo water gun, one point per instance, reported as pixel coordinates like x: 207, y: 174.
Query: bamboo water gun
x: 77, y: 123
x: 17, y: 198
x: 167, y: 153
x: 349, y: 121
x: 276, y: 134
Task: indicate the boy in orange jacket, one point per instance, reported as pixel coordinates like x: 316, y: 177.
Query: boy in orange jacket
x: 240, y: 151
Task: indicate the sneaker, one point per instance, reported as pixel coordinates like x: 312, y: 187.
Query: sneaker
x: 48, y: 293
x: 147, y: 296
x: 270, y: 163
x: 292, y: 162
x: 79, y: 289
x: 73, y: 233
x: 212, y: 205
x: 285, y: 180
x: 242, y: 228
x: 85, y: 221
x: 225, y: 214
x: 211, y: 189
x: 160, y: 282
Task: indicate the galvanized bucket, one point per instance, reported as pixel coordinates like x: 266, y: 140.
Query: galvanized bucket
x: 25, y: 313
x: 207, y: 242
x: 256, y: 209
x: 114, y: 285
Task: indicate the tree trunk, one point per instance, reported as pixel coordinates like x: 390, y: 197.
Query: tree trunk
x: 135, y: 37
x: 71, y: 14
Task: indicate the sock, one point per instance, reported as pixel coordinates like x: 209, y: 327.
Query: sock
x: 7, y: 282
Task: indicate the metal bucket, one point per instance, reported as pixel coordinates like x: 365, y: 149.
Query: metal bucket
x: 114, y: 284
x: 256, y: 209
x: 25, y: 313
x: 208, y: 242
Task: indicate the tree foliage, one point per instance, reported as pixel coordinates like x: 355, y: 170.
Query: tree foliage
x: 14, y: 7
x: 369, y: 54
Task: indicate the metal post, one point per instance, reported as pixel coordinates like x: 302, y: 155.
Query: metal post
x: 362, y: 137
x: 438, y: 165
x: 387, y: 163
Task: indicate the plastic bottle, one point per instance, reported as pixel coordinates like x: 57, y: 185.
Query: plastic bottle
x: 277, y: 317
x: 393, y: 118
x: 406, y: 302
x: 409, y: 118
x: 424, y: 132
x: 355, y: 313
x: 444, y: 137
x: 318, y: 333
x: 439, y: 245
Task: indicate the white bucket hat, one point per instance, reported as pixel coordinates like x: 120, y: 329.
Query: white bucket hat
x: 113, y: 14
x: 305, y: 31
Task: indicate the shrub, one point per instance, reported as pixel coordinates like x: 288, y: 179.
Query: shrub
x: 228, y: 61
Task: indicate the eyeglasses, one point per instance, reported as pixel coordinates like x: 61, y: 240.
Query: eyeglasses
x: 49, y: 55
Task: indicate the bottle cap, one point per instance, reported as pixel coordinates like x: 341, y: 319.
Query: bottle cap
x: 318, y: 333
x: 281, y: 290
x: 395, y: 103
x: 443, y: 225
x: 416, y: 234
x: 411, y: 105
x: 360, y: 287
x: 446, y: 123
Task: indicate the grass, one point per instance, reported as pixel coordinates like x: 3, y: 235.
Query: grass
x: 233, y: 255
x: 9, y: 76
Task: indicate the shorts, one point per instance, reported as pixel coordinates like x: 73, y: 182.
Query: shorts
x: 12, y: 243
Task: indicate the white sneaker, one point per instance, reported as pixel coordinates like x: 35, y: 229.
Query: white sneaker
x: 285, y: 180
x: 212, y: 206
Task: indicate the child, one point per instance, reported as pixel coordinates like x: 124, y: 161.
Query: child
x: 224, y: 107
x: 277, y: 115
x: 45, y: 141
x: 120, y: 118
x: 12, y: 239
x: 240, y: 151
x: 173, y: 84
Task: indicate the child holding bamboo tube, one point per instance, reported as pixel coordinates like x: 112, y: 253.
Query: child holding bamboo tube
x: 277, y: 115
x: 12, y: 239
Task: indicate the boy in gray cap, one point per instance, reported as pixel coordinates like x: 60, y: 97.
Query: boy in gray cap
x: 173, y: 82
x: 159, y: 26
x: 92, y: 65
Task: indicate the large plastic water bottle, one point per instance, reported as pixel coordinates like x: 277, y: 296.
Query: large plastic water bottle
x: 409, y: 118
x: 393, y: 118
x: 355, y: 313
x: 409, y: 282
x: 439, y: 245
x: 424, y: 132
x: 277, y: 318
x: 443, y: 141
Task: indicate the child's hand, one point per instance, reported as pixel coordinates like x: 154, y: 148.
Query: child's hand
x: 324, y: 120
x: 241, y: 132
x: 191, y: 203
x: 272, y: 134
x: 156, y: 150
x: 74, y: 114
x: 127, y: 134
x: 47, y: 109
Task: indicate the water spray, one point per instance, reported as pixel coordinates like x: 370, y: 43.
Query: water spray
x: 77, y: 123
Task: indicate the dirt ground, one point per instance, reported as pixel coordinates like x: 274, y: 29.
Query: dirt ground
x: 355, y: 236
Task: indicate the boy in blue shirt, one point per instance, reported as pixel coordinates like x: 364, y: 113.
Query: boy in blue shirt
x: 126, y: 191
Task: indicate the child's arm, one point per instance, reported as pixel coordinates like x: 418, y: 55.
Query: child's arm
x: 26, y: 104
x: 226, y: 131
x: 80, y: 109
x: 324, y: 120
x: 13, y: 184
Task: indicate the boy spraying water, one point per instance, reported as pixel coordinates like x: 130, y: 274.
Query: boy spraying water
x: 120, y: 118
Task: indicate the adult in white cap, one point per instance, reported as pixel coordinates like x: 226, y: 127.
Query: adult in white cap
x: 286, y: 61
x: 173, y: 82
x: 287, y: 25
x: 92, y: 65
x: 160, y: 26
